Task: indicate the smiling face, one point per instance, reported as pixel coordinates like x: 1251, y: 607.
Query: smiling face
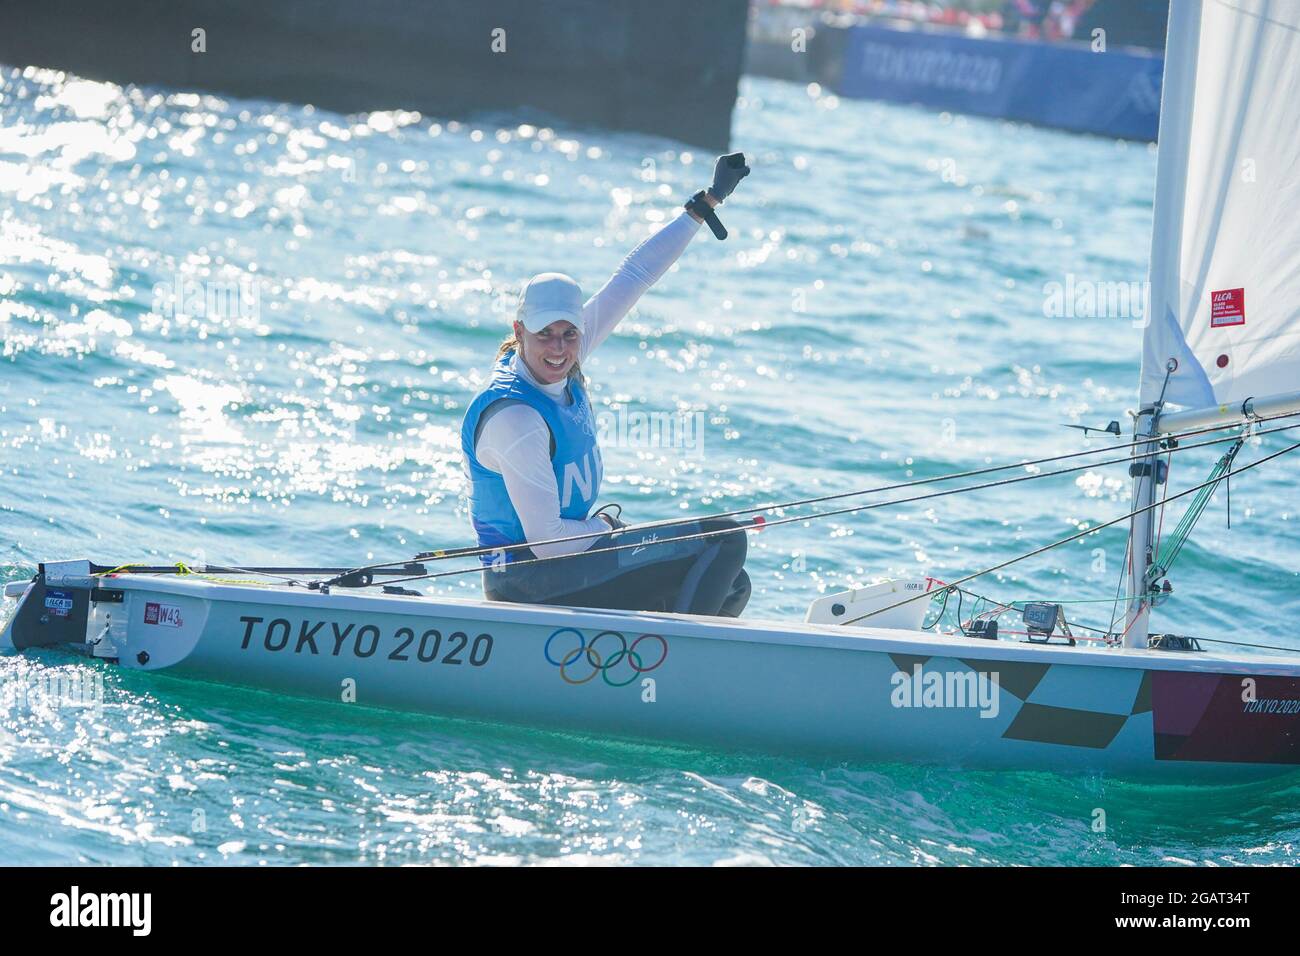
x: 550, y: 353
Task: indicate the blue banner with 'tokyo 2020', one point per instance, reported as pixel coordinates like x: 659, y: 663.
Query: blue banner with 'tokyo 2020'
x: 1067, y: 86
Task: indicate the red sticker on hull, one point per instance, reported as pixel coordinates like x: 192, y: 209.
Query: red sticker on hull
x: 1223, y: 718
x: 167, y: 614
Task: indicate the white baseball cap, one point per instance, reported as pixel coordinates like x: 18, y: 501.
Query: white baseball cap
x: 549, y: 297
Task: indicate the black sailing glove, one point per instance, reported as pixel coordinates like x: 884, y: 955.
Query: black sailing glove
x: 729, y: 171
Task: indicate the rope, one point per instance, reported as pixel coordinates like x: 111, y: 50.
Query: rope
x: 1000, y: 608
x: 1172, y: 440
x: 758, y: 524
x: 947, y: 593
x: 117, y: 570
x: 1166, y: 556
x: 1169, y: 468
x: 184, y: 570
x: 766, y: 524
x: 1119, y: 585
x: 1085, y: 532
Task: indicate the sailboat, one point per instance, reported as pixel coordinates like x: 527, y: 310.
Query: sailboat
x: 863, y: 677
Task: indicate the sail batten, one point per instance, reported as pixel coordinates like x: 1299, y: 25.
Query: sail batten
x: 1225, y: 254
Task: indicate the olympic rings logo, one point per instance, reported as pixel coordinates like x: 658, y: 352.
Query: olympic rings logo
x: 614, y: 655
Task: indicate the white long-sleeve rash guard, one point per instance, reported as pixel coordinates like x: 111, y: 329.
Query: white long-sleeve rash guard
x: 514, y: 440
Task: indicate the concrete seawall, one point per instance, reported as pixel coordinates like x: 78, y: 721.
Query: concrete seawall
x: 656, y: 66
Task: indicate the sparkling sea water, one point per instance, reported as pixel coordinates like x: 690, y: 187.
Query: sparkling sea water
x: 882, y: 311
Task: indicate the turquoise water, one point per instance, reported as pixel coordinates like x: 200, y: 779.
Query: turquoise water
x: 877, y: 315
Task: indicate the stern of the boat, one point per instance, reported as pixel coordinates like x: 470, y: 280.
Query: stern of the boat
x: 67, y: 604
x: 53, y: 607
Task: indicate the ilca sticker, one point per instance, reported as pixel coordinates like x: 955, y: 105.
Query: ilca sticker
x: 1227, y: 307
x: 167, y: 615
x: 58, y: 603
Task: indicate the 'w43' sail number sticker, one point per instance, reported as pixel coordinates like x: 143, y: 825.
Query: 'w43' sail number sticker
x: 167, y: 615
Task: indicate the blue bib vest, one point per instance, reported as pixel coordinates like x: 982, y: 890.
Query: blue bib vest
x: 575, y: 459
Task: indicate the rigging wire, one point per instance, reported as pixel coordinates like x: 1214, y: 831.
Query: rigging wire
x: 1092, y: 530
x: 758, y: 523
x: 1178, y: 537
x: 1169, y: 470
x: 1119, y: 586
x: 824, y: 514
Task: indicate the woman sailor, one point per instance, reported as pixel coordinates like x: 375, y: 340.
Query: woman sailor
x: 534, y: 465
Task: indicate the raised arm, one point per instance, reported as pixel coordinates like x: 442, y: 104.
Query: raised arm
x: 645, y: 264
x: 641, y: 269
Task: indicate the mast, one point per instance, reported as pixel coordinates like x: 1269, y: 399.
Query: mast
x: 1147, y: 477
x: 1177, y: 96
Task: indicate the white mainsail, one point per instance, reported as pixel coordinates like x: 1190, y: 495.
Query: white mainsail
x: 1225, y: 241
x: 1225, y: 248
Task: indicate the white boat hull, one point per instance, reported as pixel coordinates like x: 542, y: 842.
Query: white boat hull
x: 855, y: 694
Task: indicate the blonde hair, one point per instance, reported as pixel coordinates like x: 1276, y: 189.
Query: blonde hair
x: 511, y: 344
